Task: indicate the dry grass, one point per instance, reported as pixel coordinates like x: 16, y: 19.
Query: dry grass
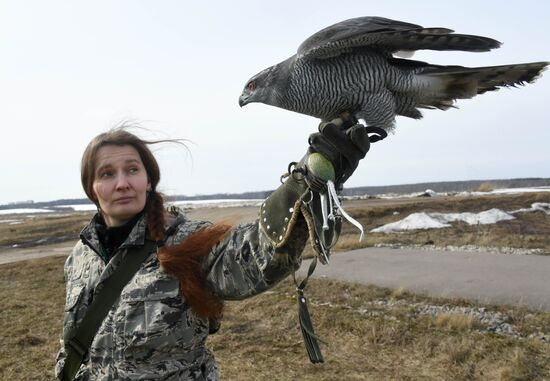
x: 36, y: 227
x: 453, y: 321
x: 520, y: 368
x: 398, y: 293
x: 528, y: 230
x: 260, y: 338
x: 384, y: 344
x: 31, y: 310
x: 486, y: 187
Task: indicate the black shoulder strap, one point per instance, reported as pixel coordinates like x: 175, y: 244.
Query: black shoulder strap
x: 77, y: 347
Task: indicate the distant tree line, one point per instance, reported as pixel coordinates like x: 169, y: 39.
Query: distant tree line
x: 444, y: 186
x: 447, y: 186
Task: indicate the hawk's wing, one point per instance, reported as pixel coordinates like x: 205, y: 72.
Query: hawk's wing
x: 388, y: 36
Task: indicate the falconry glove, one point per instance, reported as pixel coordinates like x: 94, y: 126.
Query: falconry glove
x: 295, y: 199
x: 333, y: 156
x: 279, y: 214
x: 309, y: 193
x: 336, y: 149
x: 344, y: 143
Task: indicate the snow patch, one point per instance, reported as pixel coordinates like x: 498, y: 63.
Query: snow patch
x: 535, y: 207
x: 24, y: 210
x: 417, y: 221
x: 504, y: 191
x: 486, y: 217
x: 412, y: 222
x: 10, y: 222
x: 431, y: 193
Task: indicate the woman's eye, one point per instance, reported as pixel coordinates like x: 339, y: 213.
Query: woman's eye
x: 133, y: 170
x: 105, y: 174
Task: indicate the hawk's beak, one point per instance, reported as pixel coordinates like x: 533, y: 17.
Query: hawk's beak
x: 242, y: 100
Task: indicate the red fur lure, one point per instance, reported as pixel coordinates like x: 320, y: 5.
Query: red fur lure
x: 184, y: 261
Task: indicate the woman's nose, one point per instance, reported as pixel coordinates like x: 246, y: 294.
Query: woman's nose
x: 122, y: 182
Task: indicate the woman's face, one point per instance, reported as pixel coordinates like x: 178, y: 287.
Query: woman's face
x: 120, y: 183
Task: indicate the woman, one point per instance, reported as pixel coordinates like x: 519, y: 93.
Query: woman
x: 158, y: 324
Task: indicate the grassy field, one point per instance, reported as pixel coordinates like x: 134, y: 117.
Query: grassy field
x: 260, y: 337
x: 32, y: 228
x: 528, y: 230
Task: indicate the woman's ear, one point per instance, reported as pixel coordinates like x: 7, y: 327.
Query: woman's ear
x: 94, y: 198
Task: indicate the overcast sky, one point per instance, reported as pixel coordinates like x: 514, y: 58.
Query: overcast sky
x: 70, y: 70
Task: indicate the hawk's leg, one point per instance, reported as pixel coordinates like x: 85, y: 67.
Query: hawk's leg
x: 347, y: 120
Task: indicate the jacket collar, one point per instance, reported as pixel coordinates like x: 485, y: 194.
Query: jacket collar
x: 89, y: 235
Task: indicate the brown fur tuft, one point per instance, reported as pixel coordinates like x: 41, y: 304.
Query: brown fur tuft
x: 184, y: 261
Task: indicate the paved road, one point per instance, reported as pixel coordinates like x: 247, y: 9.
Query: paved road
x: 486, y: 277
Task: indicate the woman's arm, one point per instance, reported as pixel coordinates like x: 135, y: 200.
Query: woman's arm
x: 256, y: 256
x: 248, y: 261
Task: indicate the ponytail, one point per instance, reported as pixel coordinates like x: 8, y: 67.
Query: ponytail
x: 156, y: 218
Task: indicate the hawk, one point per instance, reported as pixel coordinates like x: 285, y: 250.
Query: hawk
x: 353, y: 67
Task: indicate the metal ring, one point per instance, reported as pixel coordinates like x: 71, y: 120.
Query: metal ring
x: 310, y: 198
x: 290, y: 165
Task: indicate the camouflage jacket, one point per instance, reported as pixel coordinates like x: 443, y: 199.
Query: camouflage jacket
x: 150, y: 333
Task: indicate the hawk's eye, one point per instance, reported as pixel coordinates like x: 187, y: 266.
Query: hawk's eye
x: 251, y: 86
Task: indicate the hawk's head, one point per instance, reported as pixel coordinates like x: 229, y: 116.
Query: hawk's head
x: 258, y: 88
x: 266, y: 86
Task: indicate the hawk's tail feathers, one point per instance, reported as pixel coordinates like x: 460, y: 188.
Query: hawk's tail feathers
x: 461, y: 82
x: 441, y: 85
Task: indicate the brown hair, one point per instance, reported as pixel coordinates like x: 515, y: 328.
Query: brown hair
x: 184, y: 261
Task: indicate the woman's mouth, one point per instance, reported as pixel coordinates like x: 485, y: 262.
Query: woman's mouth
x: 123, y: 200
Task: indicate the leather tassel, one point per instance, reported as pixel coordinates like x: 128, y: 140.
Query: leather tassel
x: 308, y: 333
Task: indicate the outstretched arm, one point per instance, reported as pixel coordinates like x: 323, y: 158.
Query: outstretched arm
x: 256, y: 256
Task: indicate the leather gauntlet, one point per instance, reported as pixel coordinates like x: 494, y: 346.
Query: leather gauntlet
x: 295, y: 198
x: 310, y: 189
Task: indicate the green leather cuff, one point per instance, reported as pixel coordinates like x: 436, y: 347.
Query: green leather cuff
x: 280, y: 211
